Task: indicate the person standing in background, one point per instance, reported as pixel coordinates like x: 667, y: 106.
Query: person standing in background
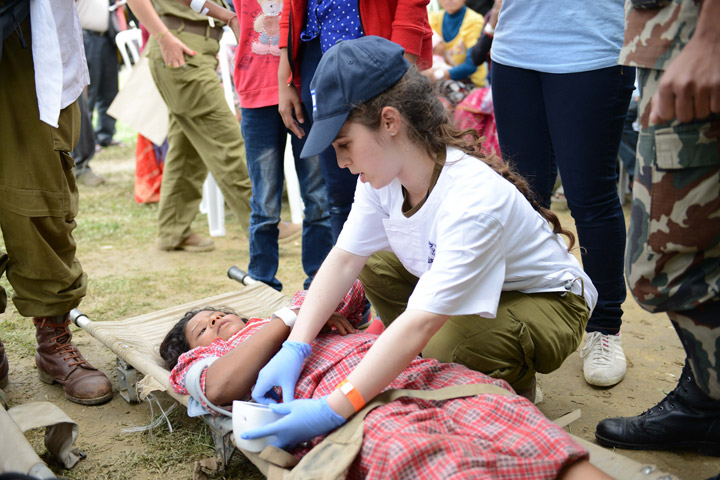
x: 86, y: 148
x: 101, y: 52
x: 674, y: 235
x: 559, y: 96
x: 203, y: 134
x: 255, y: 76
x: 308, y: 28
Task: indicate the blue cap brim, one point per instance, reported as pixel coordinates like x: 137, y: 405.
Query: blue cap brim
x: 322, y: 134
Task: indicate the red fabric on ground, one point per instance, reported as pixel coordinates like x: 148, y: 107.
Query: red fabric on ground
x: 148, y: 172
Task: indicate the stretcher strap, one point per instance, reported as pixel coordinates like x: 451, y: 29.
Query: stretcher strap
x: 331, y: 458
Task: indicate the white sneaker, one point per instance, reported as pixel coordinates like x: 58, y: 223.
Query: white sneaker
x: 605, y: 363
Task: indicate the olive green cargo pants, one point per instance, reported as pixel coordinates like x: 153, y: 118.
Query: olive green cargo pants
x: 203, y: 135
x: 531, y: 332
x: 38, y: 195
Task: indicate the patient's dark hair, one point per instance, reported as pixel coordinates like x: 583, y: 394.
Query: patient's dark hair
x: 176, y: 343
x: 429, y: 125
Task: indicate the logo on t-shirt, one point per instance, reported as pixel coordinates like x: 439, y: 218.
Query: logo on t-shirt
x: 431, y: 252
x: 267, y: 26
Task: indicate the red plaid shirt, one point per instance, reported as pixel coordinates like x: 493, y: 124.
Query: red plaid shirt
x: 485, y: 436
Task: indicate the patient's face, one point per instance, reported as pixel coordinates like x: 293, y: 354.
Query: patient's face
x: 207, y: 326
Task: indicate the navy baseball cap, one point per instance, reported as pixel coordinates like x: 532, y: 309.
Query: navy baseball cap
x: 350, y: 73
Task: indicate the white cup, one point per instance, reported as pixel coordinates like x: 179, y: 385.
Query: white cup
x: 249, y: 416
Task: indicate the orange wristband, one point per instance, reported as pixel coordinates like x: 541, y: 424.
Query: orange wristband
x: 352, y: 394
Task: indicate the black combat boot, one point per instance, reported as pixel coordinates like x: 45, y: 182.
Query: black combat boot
x: 685, y: 419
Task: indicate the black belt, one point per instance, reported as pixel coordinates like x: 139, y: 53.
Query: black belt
x: 198, y: 27
x: 98, y: 34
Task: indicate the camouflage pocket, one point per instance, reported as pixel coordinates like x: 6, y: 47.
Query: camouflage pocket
x: 687, y: 146
x: 685, y: 191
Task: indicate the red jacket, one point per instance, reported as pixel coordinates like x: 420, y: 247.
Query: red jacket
x: 405, y: 22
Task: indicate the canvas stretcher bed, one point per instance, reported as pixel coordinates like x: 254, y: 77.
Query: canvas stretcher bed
x: 135, y: 342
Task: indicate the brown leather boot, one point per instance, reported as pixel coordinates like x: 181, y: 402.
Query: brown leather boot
x: 58, y: 360
x: 3, y: 366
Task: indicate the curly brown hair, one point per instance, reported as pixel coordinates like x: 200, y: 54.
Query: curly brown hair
x: 429, y: 126
x: 176, y: 343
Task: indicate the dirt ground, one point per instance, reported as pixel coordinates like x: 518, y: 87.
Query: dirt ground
x: 655, y: 359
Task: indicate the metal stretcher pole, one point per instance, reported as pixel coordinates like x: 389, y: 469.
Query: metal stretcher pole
x: 240, y: 275
x: 79, y: 318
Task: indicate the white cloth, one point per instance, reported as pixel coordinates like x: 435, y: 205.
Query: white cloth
x: 475, y: 236
x: 58, y: 53
x: 94, y: 14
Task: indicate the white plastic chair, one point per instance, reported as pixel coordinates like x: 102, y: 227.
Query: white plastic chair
x: 128, y: 42
x: 213, y: 202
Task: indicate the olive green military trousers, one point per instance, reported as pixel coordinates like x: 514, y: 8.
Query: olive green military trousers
x: 38, y: 195
x: 203, y: 135
x: 531, y: 333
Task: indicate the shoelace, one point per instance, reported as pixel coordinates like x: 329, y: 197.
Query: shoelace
x: 67, y: 350
x: 64, y: 347
x: 600, y: 350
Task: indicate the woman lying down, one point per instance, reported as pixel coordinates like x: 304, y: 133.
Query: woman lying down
x: 484, y: 436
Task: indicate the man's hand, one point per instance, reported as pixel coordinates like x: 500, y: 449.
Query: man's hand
x: 173, y: 50
x: 690, y: 87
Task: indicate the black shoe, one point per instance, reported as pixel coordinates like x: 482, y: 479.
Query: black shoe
x: 685, y: 418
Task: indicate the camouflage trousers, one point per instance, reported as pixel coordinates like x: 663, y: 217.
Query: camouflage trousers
x: 672, y: 262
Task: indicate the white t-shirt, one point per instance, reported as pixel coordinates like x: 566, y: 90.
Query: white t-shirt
x: 475, y: 236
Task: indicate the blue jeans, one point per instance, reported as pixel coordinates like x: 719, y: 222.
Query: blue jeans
x: 265, y: 136
x: 340, y: 182
x: 579, y: 117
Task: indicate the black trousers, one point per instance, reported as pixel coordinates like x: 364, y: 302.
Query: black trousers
x: 85, y: 149
x: 101, y: 54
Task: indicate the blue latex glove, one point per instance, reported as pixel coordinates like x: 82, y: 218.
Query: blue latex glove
x: 303, y: 420
x: 283, y: 370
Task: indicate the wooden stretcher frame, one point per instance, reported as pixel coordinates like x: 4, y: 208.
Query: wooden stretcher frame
x: 135, y: 341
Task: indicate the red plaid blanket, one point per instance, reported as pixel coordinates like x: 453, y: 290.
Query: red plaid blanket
x: 485, y: 436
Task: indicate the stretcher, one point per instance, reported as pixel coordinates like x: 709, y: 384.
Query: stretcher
x: 135, y: 342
